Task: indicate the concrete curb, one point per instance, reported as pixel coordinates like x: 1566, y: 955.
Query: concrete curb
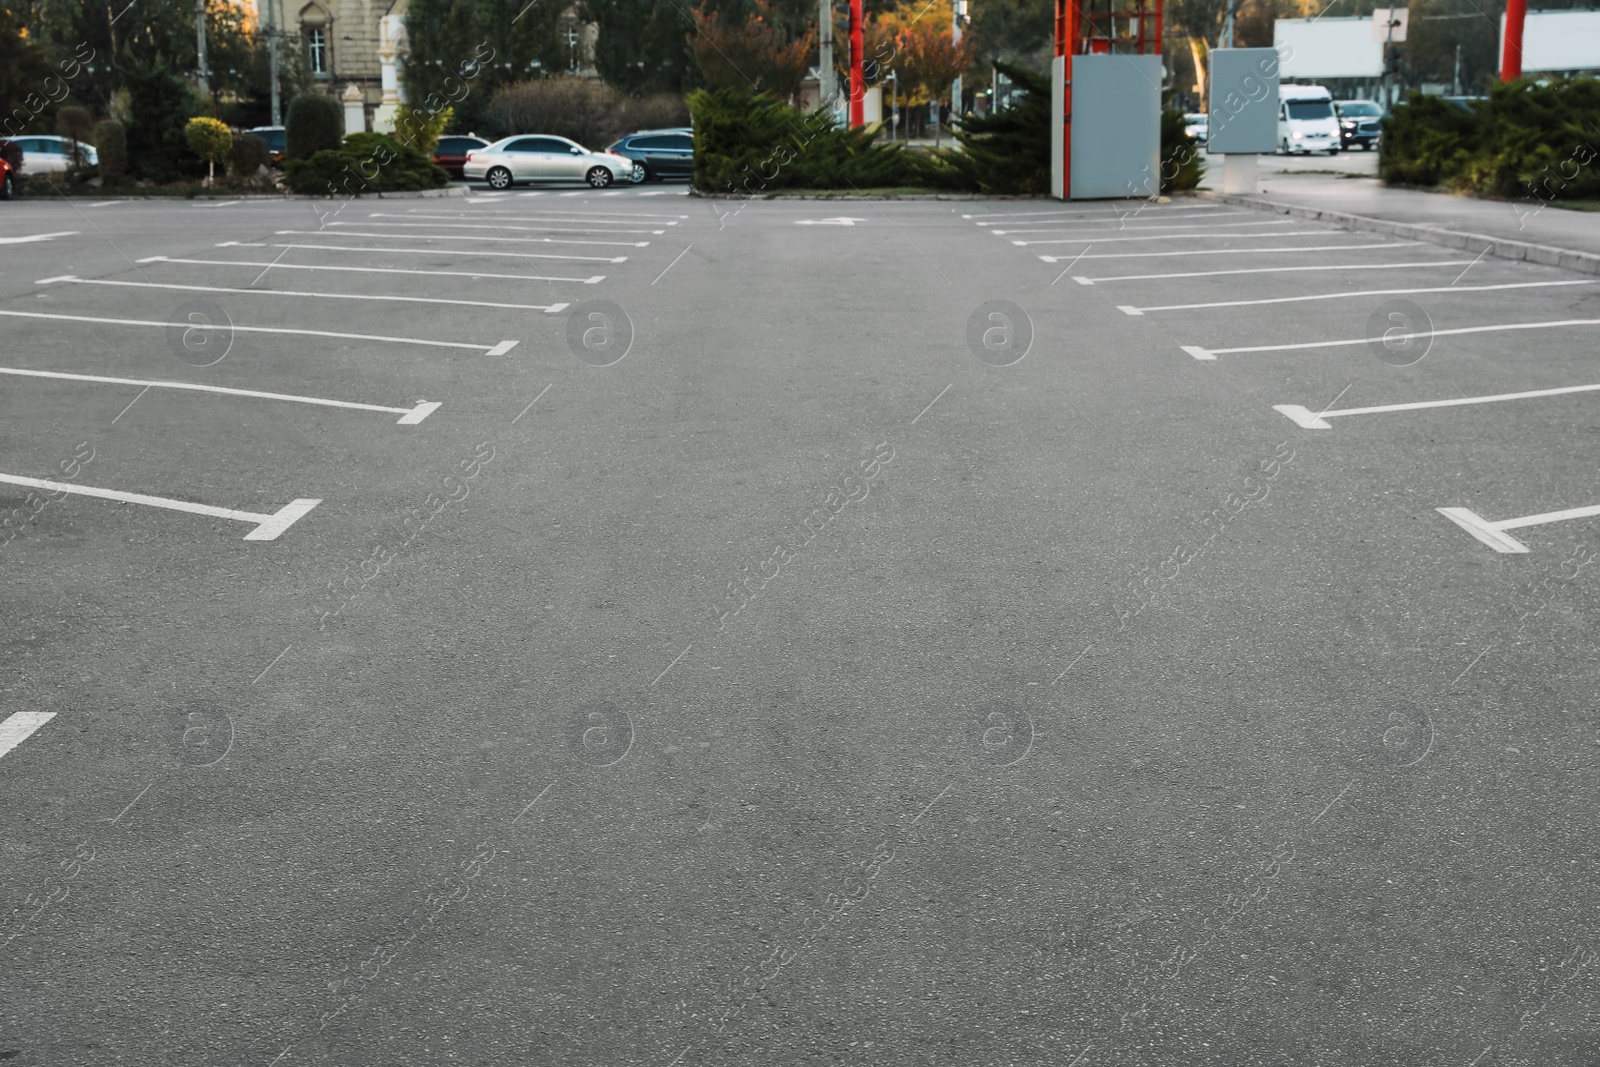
x: 1500, y: 247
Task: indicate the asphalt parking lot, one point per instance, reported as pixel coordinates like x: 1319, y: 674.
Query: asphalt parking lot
x: 940, y: 632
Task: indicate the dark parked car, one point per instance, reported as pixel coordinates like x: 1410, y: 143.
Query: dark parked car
x: 277, y: 139
x: 10, y: 167
x: 658, y: 154
x: 451, y: 153
x: 1360, y: 123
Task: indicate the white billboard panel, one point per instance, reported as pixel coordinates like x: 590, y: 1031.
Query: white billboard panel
x: 1557, y: 40
x: 1327, y: 48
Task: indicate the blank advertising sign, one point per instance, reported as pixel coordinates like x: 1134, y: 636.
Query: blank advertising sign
x: 1116, y: 126
x: 1244, y: 100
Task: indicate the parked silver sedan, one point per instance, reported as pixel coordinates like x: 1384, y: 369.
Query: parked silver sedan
x: 543, y: 159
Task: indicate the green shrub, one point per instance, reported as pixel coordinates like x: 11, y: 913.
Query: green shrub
x: 1006, y: 151
x: 1524, y: 141
x: 1182, y: 163
x: 209, y: 139
x: 249, y: 154
x: 364, y: 163
x: 316, y: 124
x: 754, y: 144
x: 421, y: 128
x: 160, y: 104
x: 111, y: 142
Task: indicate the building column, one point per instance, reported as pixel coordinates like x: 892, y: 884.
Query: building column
x: 390, y: 30
x: 355, y: 109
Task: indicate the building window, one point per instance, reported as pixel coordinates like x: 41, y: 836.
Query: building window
x: 317, y: 51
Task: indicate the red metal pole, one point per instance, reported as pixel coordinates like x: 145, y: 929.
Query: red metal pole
x: 1511, y: 57
x: 858, y: 85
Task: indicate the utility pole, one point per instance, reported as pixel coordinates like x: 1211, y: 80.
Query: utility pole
x: 200, y: 46
x: 827, y: 85
x: 272, y: 60
x: 1511, y: 54
x: 1455, y: 79
x: 1226, y: 40
x: 958, y: 9
x: 858, y: 82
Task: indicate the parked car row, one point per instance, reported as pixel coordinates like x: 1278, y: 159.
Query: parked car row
x: 638, y: 157
x: 50, y: 155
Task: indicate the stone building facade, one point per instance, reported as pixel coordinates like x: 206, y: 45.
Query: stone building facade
x: 354, y: 50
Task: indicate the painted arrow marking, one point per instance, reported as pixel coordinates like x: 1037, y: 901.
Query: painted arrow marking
x: 842, y: 220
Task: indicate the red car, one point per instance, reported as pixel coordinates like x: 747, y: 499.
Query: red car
x: 10, y: 167
x: 451, y: 153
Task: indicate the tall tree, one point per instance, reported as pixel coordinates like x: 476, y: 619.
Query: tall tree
x: 643, y: 45
x: 754, y: 53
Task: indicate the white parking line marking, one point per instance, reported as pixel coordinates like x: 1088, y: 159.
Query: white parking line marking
x: 32, y: 238
x: 1350, y: 295
x: 374, y: 270
x: 1119, y: 224
x: 225, y: 203
x: 488, y: 350
x: 1058, y: 213
x: 532, y: 192
x: 493, y: 226
x: 1237, y: 251
x: 548, y: 309
x: 107, y: 203
x: 268, y: 527
x: 1269, y: 270
x: 1100, y: 238
x: 458, y: 252
x: 1311, y: 420
x: 241, y: 244
x: 451, y: 237
x: 1493, y: 533
x: 567, y: 216
x: 412, y: 415
x: 19, y: 727
x: 1214, y: 352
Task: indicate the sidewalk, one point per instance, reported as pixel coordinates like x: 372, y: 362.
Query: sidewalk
x: 1508, y: 229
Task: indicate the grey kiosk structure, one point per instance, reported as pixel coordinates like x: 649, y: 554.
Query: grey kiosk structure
x: 1243, y: 118
x: 1106, y: 100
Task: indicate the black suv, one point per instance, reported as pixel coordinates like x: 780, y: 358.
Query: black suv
x: 659, y: 153
x: 1360, y: 123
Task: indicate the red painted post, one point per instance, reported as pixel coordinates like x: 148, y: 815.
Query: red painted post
x: 858, y: 85
x: 1511, y: 57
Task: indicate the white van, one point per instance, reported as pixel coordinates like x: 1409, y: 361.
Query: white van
x: 1306, y: 122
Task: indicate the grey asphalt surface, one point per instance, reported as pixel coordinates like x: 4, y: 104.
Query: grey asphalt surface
x: 1103, y: 715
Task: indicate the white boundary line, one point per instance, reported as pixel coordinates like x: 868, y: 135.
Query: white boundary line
x: 548, y: 309
x: 1064, y: 213
x: 373, y: 270
x: 499, y: 349
x: 268, y: 527
x: 449, y: 237
x: 479, y: 218
x: 488, y: 226
x: 1096, y: 239
x: 1115, y: 225
x: 410, y: 416
x: 1307, y: 419
x: 1237, y: 251
x: 1131, y: 310
x: 454, y: 252
x: 1493, y: 533
x: 36, y: 237
x: 1270, y: 270
x: 19, y: 727
x: 588, y: 216
x: 1212, y: 353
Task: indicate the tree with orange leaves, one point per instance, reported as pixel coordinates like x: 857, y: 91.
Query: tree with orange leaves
x: 752, y: 54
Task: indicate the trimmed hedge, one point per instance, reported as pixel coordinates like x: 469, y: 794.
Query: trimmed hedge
x: 754, y: 144
x: 249, y: 154
x: 315, y: 124
x: 111, y: 143
x: 364, y: 163
x: 1523, y: 141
